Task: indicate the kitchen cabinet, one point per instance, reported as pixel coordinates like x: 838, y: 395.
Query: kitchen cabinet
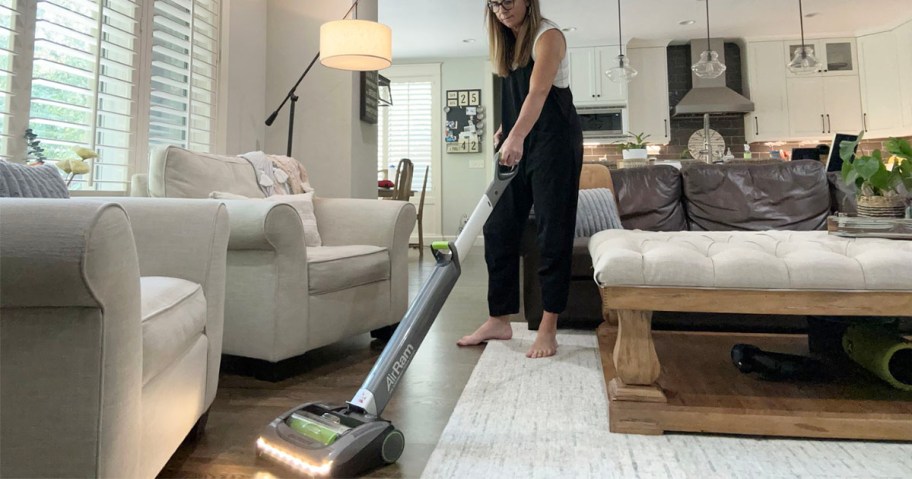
x: 647, y: 94
x: 767, y: 86
x: 882, y: 111
x: 904, y: 65
x: 821, y: 106
x: 835, y: 56
x: 590, y: 85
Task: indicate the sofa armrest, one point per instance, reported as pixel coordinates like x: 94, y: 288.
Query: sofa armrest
x: 344, y: 221
x: 187, y: 239
x: 70, y: 328
x: 264, y: 225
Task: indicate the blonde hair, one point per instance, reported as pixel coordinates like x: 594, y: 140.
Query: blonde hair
x: 509, y: 50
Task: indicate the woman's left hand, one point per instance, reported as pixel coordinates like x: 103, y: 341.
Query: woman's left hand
x: 511, y: 151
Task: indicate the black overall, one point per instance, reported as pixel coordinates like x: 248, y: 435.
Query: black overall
x: 548, y: 177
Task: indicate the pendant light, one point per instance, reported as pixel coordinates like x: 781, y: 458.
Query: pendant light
x: 356, y: 44
x: 709, y: 65
x: 804, y: 60
x: 622, y: 72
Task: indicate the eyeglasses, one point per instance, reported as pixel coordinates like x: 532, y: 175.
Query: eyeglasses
x: 496, y: 6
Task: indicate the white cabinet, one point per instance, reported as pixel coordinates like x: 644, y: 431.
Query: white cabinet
x: 766, y: 82
x: 647, y: 94
x: 821, y: 106
x: 904, y: 65
x: 882, y: 111
x: 835, y: 56
x: 590, y: 85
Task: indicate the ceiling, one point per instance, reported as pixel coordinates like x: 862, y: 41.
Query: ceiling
x: 430, y: 29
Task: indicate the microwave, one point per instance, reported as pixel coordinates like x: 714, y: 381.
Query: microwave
x: 602, y: 122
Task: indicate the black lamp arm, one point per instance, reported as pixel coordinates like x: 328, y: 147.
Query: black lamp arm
x: 291, y: 93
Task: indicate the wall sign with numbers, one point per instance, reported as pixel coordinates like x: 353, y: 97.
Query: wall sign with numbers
x: 464, y: 121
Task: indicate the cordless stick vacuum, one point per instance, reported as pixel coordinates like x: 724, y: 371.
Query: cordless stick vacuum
x: 346, y: 440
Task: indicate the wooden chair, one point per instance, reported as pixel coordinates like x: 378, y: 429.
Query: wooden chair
x: 420, y: 244
x: 404, y: 172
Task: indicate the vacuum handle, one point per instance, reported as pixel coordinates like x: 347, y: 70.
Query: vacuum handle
x: 504, y: 172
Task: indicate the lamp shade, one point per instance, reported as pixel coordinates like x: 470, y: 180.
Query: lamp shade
x: 356, y: 45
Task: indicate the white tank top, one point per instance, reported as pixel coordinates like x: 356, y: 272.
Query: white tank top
x: 562, y: 79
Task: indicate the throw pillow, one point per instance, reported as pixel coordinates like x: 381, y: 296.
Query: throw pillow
x: 596, y: 211
x: 22, y: 181
x: 304, y: 204
x: 224, y: 195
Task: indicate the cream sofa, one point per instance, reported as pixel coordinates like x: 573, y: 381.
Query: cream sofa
x: 110, y: 332
x: 285, y: 298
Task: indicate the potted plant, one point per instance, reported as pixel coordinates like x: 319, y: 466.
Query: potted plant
x: 881, y: 191
x: 635, y: 149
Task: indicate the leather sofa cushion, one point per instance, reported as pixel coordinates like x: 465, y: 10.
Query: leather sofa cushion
x: 334, y: 268
x: 842, y: 196
x: 650, y: 198
x: 173, y: 318
x: 790, y: 195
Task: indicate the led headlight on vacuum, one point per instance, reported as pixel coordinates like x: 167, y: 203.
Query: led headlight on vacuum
x: 264, y: 447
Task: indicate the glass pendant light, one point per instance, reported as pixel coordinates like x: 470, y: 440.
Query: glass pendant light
x: 804, y: 60
x: 622, y: 72
x: 709, y: 65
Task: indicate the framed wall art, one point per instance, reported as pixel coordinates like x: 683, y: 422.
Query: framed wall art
x: 464, y: 126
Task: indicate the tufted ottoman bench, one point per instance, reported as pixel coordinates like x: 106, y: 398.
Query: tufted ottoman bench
x: 772, y: 272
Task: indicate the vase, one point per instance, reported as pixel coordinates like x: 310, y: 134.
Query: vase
x: 882, y: 206
x: 635, y: 154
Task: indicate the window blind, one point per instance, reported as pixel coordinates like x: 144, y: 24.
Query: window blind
x: 184, y: 66
x: 7, y: 45
x: 83, y: 84
x: 405, y: 130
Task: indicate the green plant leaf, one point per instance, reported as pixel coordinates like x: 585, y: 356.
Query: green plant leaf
x: 867, y: 166
x: 883, y: 180
x: 899, y: 147
x: 849, y: 175
x: 847, y: 148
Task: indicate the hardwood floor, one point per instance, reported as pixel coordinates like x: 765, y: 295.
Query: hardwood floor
x: 420, y: 407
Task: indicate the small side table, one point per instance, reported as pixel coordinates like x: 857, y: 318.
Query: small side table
x: 865, y: 227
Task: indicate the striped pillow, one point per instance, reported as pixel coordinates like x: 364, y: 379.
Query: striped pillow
x: 596, y: 211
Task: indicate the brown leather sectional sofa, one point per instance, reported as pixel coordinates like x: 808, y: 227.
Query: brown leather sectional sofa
x: 796, y: 195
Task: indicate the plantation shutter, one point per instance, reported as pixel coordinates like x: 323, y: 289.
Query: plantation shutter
x: 405, y: 130
x: 7, y: 44
x: 83, y: 84
x: 184, y: 65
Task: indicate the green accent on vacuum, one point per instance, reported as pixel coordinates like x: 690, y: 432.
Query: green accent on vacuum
x: 882, y: 352
x: 311, y: 428
x: 439, y: 245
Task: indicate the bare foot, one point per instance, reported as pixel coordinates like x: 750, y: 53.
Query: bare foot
x: 546, y: 339
x: 493, y: 328
x: 545, y: 344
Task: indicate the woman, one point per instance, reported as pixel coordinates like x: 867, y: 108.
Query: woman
x: 545, y: 141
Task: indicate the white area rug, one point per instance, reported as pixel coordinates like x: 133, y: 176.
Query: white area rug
x: 548, y: 418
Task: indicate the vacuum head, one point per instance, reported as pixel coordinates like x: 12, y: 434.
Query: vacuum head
x: 330, y: 441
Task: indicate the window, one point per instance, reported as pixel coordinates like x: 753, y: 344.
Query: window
x: 8, y: 18
x: 83, y: 73
x: 405, y: 130
x: 184, y: 54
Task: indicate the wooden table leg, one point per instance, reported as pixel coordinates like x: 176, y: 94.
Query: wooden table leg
x: 635, y: 360
x: 608, y: 315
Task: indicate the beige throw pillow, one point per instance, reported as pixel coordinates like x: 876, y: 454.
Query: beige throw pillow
x: 224, y: 195
x: 304, y: 204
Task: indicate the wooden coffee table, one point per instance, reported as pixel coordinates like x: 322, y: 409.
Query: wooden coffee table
x: 865, y: 227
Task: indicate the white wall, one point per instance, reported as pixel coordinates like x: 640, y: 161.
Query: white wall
x: 243, y: 93
x: 466, y: 175
x: 338, y: 150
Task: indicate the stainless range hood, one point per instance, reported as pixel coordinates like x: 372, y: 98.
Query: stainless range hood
x: 711, y: 95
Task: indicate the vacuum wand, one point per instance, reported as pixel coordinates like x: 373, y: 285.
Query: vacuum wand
x: 375, y: 393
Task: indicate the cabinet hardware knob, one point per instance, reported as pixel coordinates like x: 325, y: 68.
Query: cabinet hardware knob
x: 756, y: 126
x: 822, y: 124
x: 829, y: 125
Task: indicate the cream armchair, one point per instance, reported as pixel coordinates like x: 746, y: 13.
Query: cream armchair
x: 285, y: 298
x: 111, y: 320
